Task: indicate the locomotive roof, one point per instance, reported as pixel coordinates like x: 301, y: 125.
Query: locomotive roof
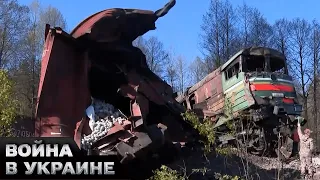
x: 257, y: 51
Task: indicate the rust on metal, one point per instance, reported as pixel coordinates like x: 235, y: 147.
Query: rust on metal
x: 98, y: 61
x: 206, y: 97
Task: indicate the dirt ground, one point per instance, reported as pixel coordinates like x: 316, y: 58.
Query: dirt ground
x: 250, y: 166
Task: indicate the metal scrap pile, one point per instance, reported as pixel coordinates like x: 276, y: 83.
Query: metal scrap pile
x: 102, y: 118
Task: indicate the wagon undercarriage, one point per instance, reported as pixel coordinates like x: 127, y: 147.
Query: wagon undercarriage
x: 260, y: 132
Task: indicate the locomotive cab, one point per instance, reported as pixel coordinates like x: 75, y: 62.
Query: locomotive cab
x: 270, y: 84
x: 256, y: 82
x: 264, y: 71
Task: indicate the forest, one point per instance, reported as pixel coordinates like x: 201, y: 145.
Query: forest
x: 225, y: 30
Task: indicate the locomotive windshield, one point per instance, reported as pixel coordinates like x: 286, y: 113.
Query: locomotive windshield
x: 277, y: 65
x: 264, y: 63
x: 255, y: 63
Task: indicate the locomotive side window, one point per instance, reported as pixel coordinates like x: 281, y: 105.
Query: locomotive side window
x: 228, y: 73
x: 192, y: 100
x: 232, y: 71
x: 236, y: 69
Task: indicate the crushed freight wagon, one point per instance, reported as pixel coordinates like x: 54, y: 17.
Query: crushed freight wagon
x: 96, y: 86
x: 252, y: 96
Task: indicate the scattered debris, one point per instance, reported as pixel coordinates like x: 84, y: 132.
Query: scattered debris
x: 102, y: 118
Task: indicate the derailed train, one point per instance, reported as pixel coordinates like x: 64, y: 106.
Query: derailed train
x: 94, y: 76
x: 96, y: 87
x: 253, y: 92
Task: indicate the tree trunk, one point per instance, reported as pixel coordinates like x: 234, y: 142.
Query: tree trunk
x: 304, y: 93
x: 315, y: 84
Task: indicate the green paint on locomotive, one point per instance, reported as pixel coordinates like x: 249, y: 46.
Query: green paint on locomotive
x: 233, y: 86
x: 254, y: 76
x: 255, y: 81
x: 236, y: 76
x: 234, y: 92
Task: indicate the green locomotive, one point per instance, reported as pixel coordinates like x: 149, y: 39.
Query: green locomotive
x: 253, y: 92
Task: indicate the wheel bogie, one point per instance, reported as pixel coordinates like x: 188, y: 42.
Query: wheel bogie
x: 262, y: 138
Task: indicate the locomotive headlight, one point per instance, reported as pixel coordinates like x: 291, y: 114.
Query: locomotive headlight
x: 277, y: 95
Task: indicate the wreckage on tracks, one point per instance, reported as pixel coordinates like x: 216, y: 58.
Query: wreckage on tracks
x: 253, y: 93
x: 96, y: 86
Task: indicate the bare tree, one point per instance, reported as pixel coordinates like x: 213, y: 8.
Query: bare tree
x: 13, y: 23
x: 244, y: 13
x: 228, y: 21
x: 300, y: 60
x: 210, y: 37
x: 197, y: 72
x: 157, y: 57
x: 254, y: 28
x: 27, y: 74
x: 29, y: 67
x: 281, y: 35
x: 315, y: 50
x: 280, y: 39
x: 171, y: 74
x: 218, y: 33
x: 51, y: 15
x: 259, y: 29
x: 33, y: 41
x: 181, y: 67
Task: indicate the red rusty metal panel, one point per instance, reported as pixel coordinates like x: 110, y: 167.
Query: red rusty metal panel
x: 206, y: 97
x: 211, y: 88
x: 208, y: 93
x: 63, y: 90
x: 117, y: 23
x: 108, y: 23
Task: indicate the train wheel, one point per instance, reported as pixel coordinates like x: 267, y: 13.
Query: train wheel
x: 284, y: 148
x: 259, y: 144
x: 253, y: 140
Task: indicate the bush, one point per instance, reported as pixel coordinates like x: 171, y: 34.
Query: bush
x: 224, y: 151
x: 166, y: 173
x: 8, y: 106
x: 226, y: 177
x: 205, y: 129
